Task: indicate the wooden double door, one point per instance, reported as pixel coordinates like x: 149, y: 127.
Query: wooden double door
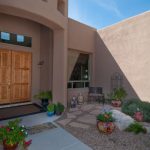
x: 15, y: 76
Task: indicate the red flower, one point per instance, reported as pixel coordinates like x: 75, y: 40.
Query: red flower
x: 7, y: 129
x: 27, y: 143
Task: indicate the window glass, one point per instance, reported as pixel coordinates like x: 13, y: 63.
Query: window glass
x: 15, y: 39
x: 78, y: 70
x: 5, y: 36
x: 20, y: 38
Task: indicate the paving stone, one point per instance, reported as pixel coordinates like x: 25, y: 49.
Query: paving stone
x: 77, y: 113
x: 98, y: 106
x: 90, y: 119
x: 71, y: 116
x: 79, y: 125
x: 87, y: 107
x: 64, y: 122
x: 73, y: 109
x: 95, y: 112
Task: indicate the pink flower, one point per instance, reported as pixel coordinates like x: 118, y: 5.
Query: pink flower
x: 27, y: 143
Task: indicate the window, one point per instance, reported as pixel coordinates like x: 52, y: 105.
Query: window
x: 20, y: 38
x: 15, y: 39
x: 78, y: 70
x: 5, y: 36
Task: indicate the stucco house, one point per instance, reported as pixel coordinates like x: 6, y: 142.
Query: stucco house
x: 41, y: 49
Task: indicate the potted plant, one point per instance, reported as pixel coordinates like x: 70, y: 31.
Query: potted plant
x: 105, y: 122
x: 59, y: 108
x: 50, y: 109
x: 118, y: 95
x: 13, y: 135
x: 138, y: 115
x: 44, y: 96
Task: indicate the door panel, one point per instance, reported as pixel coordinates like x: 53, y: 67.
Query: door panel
x: 4, y: 94
x: 15, y: 93
x: 25, y: 92
x: 15, y: 76
x: 5, y: 76
x: 21, y: 76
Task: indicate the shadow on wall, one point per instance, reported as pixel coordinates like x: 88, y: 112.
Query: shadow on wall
x: 105, y: 67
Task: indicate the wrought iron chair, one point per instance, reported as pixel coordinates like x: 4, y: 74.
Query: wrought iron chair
x: 96, y: 94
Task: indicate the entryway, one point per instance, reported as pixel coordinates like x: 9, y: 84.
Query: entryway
x: 15, y: 76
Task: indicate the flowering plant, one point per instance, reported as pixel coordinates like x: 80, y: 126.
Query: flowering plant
x: 105, y: 117
x: 13, y: 133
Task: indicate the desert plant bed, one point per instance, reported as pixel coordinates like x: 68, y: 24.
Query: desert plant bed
x: 131, y: 106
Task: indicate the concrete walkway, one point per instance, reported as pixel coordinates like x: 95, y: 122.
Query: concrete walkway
x: 56, y: 139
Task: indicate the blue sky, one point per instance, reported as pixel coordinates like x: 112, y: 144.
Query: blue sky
x: 102, y: 13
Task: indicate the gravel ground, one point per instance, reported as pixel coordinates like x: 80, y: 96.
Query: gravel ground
x: 118, y: 140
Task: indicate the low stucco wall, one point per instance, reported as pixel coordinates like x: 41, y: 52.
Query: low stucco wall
x: 124, y: 48
x: 76, y: 92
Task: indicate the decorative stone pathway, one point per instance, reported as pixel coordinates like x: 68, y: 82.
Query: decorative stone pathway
x: 81, y: 122
x: 81, y: 117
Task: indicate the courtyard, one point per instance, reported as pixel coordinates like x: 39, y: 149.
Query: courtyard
x: 76, y: 129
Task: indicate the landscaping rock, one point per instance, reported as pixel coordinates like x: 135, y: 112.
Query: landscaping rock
x: 147, y: 126
x: 122, y: 121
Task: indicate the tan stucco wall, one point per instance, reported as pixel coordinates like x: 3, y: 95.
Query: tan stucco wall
x: 124, y: 48
x: 41, y: 49
x: 40, y: 11
x: 28, y: 28
x: 47, y: 14
x: 60, y: 53
x: 81, y: 37
x: 46, y: 56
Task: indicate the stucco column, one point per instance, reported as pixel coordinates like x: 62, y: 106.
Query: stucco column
x: 60, y: 67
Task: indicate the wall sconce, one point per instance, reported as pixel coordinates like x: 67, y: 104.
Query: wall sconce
x: 41, y: 63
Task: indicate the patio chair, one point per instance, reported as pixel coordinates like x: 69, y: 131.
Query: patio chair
x: 96, y: 94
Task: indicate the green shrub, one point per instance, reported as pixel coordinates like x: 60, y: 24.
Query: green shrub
x: 44, y: 95
x: 51, y: 107
x: 136, y: 128
x: 59, y: 107
x: 105, y: 117
x: 131, y: 106
x: 145, y: 107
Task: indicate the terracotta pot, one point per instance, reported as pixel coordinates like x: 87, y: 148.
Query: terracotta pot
x: 138, y: 116
x: 9, y: 147
x: 105, y: 127
x: 116, y: 103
